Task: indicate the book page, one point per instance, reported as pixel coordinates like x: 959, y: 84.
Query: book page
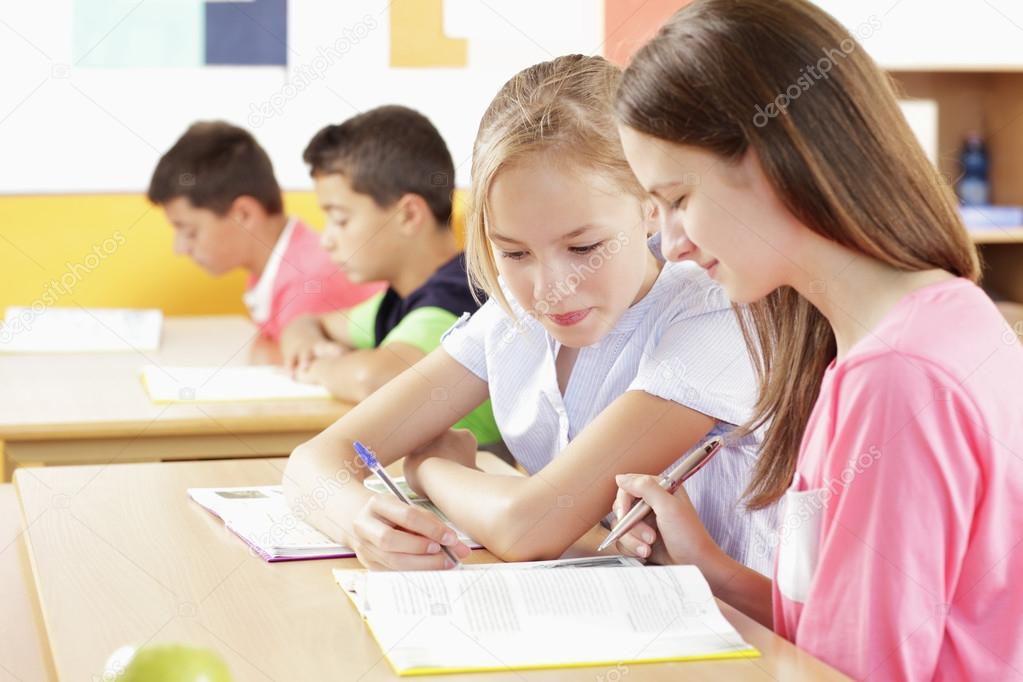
x: 79, y: 330
x: 262, y: 517
x: 353, y: 580
x: 260, y: 514
x: 509, y: 618
x: 218, y: 384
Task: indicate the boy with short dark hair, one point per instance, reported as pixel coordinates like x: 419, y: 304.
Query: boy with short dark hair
x: 217, y: 188
x: 385, y: 180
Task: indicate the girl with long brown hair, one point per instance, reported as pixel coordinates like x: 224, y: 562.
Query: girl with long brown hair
x: 890, y: 385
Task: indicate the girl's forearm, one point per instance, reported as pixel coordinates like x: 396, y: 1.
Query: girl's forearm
x: 515, y: 517
x: 740, y: 587
x: 325, y: 492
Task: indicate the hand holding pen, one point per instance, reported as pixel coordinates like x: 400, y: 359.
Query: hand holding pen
x: 683, y: 537
x: 391, y: 533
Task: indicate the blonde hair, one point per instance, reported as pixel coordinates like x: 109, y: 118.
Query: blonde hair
x: 563, y: 109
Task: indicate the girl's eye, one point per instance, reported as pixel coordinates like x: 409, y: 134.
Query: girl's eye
x: 675, y: 205
x: 584, y: 249
x: 514, y: 255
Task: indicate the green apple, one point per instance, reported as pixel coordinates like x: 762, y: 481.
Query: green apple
x: 175, y: 663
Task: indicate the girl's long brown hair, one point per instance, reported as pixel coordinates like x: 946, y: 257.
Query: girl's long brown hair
x: 838, y: 154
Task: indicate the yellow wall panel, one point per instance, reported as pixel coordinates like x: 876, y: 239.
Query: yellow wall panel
x: 113, y: 250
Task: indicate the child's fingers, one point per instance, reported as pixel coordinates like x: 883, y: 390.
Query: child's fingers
x: 638, y: 540
x: 387, y: 538
x: 622, y: 504
x: 377, y: 559
x: 413, y: 519
x: 648, y: 488
x: 631, y: 545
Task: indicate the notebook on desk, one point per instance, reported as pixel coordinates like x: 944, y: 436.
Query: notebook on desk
x: 225, y: 384
x: 80, y: 330
x: 260, y: 516
x: 519, y: 618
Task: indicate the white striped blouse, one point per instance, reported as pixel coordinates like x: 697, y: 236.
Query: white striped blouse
x: 680, y: 342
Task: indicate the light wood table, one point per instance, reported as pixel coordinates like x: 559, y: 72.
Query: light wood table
x: 92, y: 408
x: 24, y: 655
x: 121, y: 556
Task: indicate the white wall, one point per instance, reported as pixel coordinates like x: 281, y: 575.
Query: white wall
x: 936, y: 34
x: 73, y: 129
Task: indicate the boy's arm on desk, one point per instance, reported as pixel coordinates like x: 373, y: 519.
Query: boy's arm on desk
x: 355, y: 375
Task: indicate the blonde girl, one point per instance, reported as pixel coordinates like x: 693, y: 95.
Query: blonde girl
x: 598, y: 357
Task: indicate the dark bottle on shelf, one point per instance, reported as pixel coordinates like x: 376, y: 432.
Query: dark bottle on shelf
x: 973, y: 188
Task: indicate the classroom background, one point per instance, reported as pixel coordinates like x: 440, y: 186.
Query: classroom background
x: 104, y: 555
x: 96, y: 90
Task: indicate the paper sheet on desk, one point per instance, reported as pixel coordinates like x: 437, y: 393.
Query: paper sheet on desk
x: 225, y: 384
x: 80, y: 330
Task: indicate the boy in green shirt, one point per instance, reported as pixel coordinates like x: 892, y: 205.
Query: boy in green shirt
x: 385, y: 180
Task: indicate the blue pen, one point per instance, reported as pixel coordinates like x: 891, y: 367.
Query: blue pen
x: 366, y: 455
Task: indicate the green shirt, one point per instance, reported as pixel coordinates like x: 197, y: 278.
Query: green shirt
x: 422, y: 329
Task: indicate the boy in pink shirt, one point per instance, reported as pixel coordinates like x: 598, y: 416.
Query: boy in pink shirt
x: 217, y: 187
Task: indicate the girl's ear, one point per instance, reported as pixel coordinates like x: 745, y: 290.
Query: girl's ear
x: 651, y: 217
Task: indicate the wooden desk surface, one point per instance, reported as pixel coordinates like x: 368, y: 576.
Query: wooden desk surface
x: 121, y: 556
x: 23, y: 651
x: 74, y: 395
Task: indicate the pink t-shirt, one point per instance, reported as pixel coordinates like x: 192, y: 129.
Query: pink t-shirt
x: 901, y: 547
x: 300, y: 279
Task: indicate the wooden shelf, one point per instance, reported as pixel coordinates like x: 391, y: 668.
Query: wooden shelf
x: 997, y: 235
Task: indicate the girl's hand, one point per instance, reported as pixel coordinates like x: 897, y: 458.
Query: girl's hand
x: 458, y: 445
x: 390, y: 535
x: 672, y: 533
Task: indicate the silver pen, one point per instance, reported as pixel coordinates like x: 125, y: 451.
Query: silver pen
x: 670, y: 481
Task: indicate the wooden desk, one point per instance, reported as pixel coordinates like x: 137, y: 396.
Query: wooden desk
x: 121, y: 556
x: 23, y: 651
x: 92, y: 408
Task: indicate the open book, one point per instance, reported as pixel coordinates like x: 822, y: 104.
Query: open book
x: 80, y: 330
x: 518, y: 618
x: 260, y: 516
x: 224, y: 384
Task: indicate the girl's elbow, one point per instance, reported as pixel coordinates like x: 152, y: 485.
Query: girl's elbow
x: 524, y: 539
x: 295, y: 470
x: 523, y: 551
